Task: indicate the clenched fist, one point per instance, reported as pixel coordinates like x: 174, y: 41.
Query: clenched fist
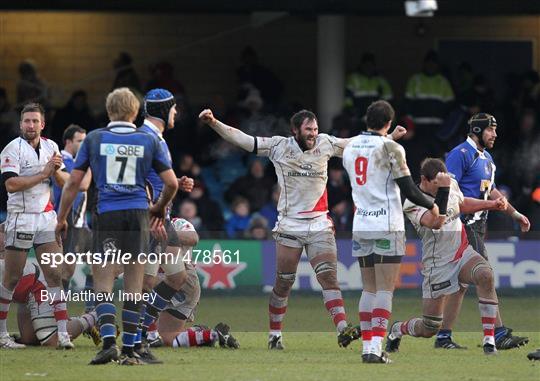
x: 206, y: 116
x: 398, y: 133
x: 443, y: 179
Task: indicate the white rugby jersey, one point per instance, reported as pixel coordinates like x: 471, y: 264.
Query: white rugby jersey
x: 302, y: 175
x: 21, y: 158
x: 447, y: 244
x: 183, y: 225
x: 373, y: 162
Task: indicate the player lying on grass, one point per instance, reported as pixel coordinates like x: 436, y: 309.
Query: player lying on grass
x: 448, y: 259
x: 170, y: 328
x: 35, y: 318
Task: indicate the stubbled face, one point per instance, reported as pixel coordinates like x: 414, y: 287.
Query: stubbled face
x: 32, y: 123
x: 306, y: 136
x: 489, y: 136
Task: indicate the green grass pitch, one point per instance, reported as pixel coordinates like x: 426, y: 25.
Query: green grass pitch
x: 311, y: 350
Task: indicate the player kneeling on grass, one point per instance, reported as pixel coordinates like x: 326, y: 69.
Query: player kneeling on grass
x: 448, y: 259
x: 172, y: 320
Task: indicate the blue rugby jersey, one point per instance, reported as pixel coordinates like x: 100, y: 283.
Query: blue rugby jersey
x: 153, y: 178
x: 121, y: 158
x: 474, y: 170
x: 79, y: 205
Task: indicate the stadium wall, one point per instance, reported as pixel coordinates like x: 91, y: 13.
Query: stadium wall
x: 75, y: 50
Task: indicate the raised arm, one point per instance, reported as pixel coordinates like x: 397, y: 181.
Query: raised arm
x: 230, y: 134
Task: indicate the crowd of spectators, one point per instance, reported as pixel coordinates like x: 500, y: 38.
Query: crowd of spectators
x: 236, y: 194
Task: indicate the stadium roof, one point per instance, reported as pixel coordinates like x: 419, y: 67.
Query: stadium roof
x: 360, y: 7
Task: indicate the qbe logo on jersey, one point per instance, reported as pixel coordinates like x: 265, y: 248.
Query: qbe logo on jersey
x: 121, y: 162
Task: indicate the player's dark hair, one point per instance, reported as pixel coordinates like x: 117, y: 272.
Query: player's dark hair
x: 70, y: 132
x: 33, y: 107
x: 298, y: 118
x: 431, y: 166
x: 378, y: 114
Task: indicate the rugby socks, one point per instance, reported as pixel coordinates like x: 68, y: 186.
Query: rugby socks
x: 195, y: 337
x: 407, y: 327
x: 152, y: 333
x: 5, y: 300
x: 382, y: 309
x: 86, y: 321
x: 130, y: 322
x: 106, y: 314
x: 59, y: 308
x: 139, y: 334
x: 488, y: 312
x: 161, y: 295
x: 277, y: 307
x: 90, y: 303
x: 152, y: 330
x: 365, y: 306
x: 333, y: 301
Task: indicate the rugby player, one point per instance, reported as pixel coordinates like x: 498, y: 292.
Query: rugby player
x: 78, y: 235
x: 35, y: 316
x: 28, y: 163
x: 474, y: 169
x: 160, y: 112
x: 120, y: 158
x: 180, y: 309
x: 301, y: 165
x: 378, y: 171
x: 447, y: 257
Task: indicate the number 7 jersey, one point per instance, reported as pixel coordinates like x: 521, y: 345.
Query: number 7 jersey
x: 121, y: 158
x: 373, y: 162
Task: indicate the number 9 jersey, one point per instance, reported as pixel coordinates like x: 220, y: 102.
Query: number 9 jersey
x: 373, y: 162
x: 121, y: 158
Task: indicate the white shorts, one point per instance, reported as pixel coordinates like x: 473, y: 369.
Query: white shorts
x: 315, y: 234
x: 43, y: 321
x: 444, y: 280
x: 170, y: 264
x: 24, y: 230
x: 382, y: 243
x: 186, y: 300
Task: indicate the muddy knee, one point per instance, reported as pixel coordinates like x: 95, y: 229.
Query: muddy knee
x: 284, y: 283
x: 326, y: 273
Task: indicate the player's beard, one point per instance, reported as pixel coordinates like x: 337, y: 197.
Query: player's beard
x: 304, y: 144
x: 29, y: 136
x: 488, y: 144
